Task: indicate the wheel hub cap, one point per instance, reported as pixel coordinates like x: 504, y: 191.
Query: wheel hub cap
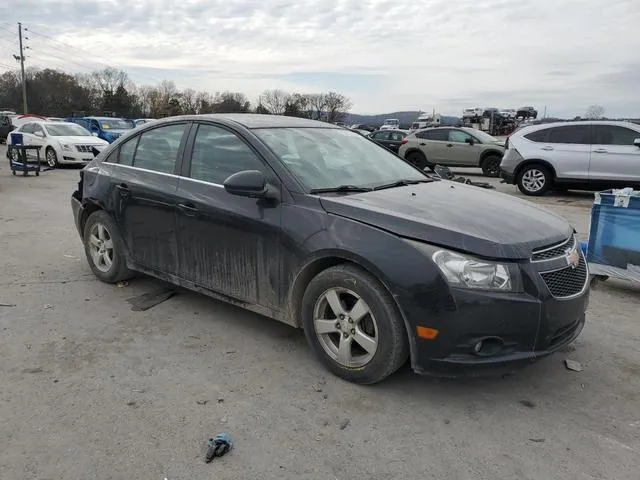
x: 345, y: 327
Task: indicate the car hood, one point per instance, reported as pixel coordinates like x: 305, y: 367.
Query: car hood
x: 82, y: 140
x: 457, y: 216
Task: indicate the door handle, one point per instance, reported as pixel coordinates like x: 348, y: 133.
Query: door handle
x: 547, y: 148
x: 422, y: 144
x: 600, y: 150
x: 449, y: 144
x: 188, y: 209
x: 124, y: 189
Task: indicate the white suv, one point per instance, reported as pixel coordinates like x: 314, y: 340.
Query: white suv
x: 593, y: 155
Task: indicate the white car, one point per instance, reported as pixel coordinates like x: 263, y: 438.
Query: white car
x: 62, y: 142
x: 472, y: 112
x: 390, y: 124
x: 509, y: 112
x: 589, y: 155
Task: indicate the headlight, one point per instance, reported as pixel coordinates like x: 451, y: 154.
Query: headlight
x: 462, y: 271
x: 64, y: 146
x: 465, y: 271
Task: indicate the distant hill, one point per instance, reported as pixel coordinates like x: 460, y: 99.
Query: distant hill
x: 406, y: 118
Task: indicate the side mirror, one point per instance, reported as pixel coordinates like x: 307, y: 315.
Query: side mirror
x: 95, y: 134
x: 469, y: 140
x: 39, y: 134
x: 248, y: 183
x: 636, y: 142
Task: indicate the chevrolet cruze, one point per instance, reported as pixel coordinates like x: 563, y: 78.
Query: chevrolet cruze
x: 323, y: 229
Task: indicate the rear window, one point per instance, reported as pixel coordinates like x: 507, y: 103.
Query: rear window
x: 435, y: 134
x: 573, y: 134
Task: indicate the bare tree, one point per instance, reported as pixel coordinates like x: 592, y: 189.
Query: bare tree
x: 189, y: 101
x: 317, y: 104
x: 594, y: 112
x: 337, y: 106
x: 274, y: 100
x: 110, y: 79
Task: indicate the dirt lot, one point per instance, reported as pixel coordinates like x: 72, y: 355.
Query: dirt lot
x: 92, y: 389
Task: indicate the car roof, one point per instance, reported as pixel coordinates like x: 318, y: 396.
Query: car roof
x: 253, y: 120
x: 541, y: 126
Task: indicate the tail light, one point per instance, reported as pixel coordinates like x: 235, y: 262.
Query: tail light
x: 404, y: 140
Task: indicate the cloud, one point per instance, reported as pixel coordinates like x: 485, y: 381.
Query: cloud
x: 384, y: 55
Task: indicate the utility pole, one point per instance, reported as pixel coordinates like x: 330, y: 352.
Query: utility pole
x: 24, y: 84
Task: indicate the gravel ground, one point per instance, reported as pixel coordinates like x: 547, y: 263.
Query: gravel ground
x: 92, y: 389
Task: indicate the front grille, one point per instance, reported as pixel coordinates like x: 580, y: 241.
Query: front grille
x: 84, y: 148
x: 567, y: 281
x: 554, y: 251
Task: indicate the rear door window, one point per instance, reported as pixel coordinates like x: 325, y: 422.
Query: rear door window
x: 457, y: 136
x: 613, y: 135
x: 440, y: 134
x: 572, y: 134
x: 157, y: 149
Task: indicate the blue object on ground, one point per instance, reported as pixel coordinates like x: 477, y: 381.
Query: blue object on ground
x: 218, y: 446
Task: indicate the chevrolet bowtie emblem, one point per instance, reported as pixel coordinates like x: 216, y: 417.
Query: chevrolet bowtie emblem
x: 573, y: 257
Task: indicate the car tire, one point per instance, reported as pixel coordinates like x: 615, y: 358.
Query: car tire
x: 378, y: 325
x: 491, y: 165
x: 104, y: 248
x: 534, y: 180
x: 51, y: 157
x: 418, y: 160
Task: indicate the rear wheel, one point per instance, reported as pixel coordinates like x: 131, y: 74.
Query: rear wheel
x: 491, y: 166
x: 105, y: 249
x: 352, y: 324
x: 534, y: 180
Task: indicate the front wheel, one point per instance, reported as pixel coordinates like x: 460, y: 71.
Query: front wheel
x: 105, y: 249
x: 51, y: 157
x: 491, y: 166
x: 418, y: 160
x: 534, y: 180
x: 352, y: 324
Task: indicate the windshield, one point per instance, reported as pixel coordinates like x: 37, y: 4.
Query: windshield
x: 66, y: 130
x: 482, y: 136
x: 328, y: 158
x: 116, y: 124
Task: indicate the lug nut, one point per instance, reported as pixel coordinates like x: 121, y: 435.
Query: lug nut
x: 350, y: 320
x: 341, y: 316
x: 338, y: 325
x: 353, y: 331
x: 345, y: 335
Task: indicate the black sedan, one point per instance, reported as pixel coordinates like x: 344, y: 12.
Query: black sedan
x: 320, y: 228
x: 391, y: 139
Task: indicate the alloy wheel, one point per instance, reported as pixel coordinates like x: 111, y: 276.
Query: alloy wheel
x: 51, y: 158
x: 533, y: 180
x: 345, y: 327
x: 101, y: 247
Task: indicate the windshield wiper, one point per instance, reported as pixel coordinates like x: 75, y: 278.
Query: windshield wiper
x: 341, y: 189
x: 401, y: 183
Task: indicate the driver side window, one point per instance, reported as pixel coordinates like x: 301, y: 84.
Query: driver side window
x: 27, y: 128
x: 94, y: 126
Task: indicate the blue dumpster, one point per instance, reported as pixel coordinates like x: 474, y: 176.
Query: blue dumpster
x: 614, y: 237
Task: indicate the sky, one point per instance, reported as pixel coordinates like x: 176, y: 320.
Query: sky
x: 385, y: 55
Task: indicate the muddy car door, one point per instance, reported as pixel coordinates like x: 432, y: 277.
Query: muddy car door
x: 227, y: 244
x: 143, y: 188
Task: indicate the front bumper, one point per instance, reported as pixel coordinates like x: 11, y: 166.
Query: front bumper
x: 73, y: 157
x: 523, y: 326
